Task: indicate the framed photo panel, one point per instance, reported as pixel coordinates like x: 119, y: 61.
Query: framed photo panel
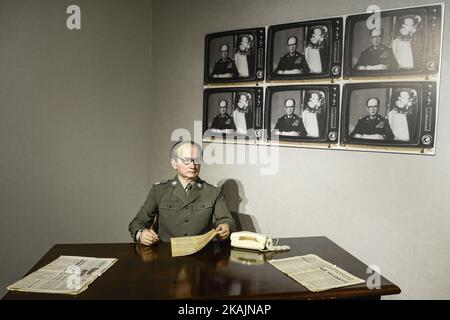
x: 398, y: 43
x: 232, y: 113
x: 305, y: 50
x: 235, y: 56
x: 303, y: 113
x: 389, y: 114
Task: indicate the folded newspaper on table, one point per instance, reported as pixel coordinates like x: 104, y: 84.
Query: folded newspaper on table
x: 183, y: 246
x: 66, y: 274
x: 315, y: 273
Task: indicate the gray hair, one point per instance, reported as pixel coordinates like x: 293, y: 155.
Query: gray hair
x: 373, y: 98
x: 179, y: 144
x: 293, y: 100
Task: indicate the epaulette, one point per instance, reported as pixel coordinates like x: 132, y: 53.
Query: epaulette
x: 160, y: 182
x: 209, y: 184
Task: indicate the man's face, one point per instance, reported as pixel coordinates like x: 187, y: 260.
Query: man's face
x: 372, y: 107
x: 289, y: 107
x: 224, y: 52
x: 243, y: 102
x: 292, y: 45
x: 375, y: 38
x: 187, y: 171
x: 404, y: 100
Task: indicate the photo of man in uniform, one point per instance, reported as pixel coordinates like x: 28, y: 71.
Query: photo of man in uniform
x: 292, y: 62
x: 223, y: 122
x: 290, y: 124
x: 224, y: 67
x: 373, y: 126
x: 377, y: 56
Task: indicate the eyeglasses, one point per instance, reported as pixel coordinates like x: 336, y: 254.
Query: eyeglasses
x: 187, y: 161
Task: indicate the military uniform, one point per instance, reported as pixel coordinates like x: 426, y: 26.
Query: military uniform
x: 179, y: 214
x: 290, y: 62
x: 224, y: 66
x: 375, y: 56
x: 294, y: 123
x: 223, y: 121
x: 376, y: 125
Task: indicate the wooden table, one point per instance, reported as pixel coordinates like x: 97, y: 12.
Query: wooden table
x: 216, y: 272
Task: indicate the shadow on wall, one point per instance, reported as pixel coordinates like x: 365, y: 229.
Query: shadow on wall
x: 236, y: 201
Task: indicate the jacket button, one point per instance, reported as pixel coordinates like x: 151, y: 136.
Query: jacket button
x: 186, y: 220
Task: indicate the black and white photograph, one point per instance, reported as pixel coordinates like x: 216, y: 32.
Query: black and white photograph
x: 405, y: 41
x: 389, y: 114
x: 235, y: 56
x: 232, y: 113
x: 304, y: 50
x: 302, y: 113
x: 402, y: 113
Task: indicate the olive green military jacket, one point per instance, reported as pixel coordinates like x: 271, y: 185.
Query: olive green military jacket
x: 181, y: 215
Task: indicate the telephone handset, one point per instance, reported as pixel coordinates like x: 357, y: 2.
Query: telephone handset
x: 254, y: 241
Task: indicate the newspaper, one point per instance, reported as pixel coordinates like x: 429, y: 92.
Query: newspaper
x: 183, y: 246
x: 66, y: 274
x: 314, y: 273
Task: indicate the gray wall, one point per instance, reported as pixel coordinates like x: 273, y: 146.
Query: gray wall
x: 387, y: 209
x: 74, y: 114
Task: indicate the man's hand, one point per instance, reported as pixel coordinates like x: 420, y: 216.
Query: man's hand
x: 148, y: 237
x: 223, y: 231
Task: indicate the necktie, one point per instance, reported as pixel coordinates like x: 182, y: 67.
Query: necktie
x: 188, y: 188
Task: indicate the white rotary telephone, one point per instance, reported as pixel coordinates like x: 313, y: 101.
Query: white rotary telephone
x: 254, y: 241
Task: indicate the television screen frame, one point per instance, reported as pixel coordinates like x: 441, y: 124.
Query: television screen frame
x: 232, y: 97
x: 331, y: 120
x: 212, y: 51
x: 432, y: 33
x: 333, y: 70
x: 426, y: 117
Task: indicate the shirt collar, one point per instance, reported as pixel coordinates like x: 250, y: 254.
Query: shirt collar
x: 183, y: 182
